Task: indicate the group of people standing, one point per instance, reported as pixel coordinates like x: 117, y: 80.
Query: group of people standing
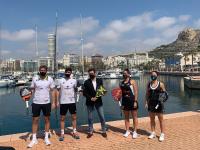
x: 63, y: 95
x: 152, y: 103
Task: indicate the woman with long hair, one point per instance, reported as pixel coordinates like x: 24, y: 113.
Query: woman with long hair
x: 155, y: 105
x: 129, y: 102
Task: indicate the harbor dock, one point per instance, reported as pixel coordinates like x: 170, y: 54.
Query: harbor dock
x: 179, y: 73
x: 182, y: 133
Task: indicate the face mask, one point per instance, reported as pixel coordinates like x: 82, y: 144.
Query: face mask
x: 92, y: 76
x: 153, y: 77
x: 67, y: 75
x: 43, y: 73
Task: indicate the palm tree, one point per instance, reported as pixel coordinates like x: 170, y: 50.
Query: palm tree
x: 122, y: 65
x: 185, y: 59
x: 195, y: 50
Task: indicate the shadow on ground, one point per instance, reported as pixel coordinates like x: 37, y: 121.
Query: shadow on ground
x: 122, y: 131
x: 6, y: 148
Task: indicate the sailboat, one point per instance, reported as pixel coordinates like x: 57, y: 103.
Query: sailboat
x: 3, y: 83
x: 6, y: 81
x: 192, y: 82
x: 84, y: 76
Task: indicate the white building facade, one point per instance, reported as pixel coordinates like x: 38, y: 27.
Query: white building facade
x: 48, y: 61
x: 71, y: 60
x: 130, y: 60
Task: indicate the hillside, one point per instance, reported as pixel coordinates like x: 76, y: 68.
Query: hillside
x: 188, y: 40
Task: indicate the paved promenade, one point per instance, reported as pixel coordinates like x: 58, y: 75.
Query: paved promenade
x: 182, y: 133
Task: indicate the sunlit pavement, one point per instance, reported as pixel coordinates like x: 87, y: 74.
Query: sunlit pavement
x: 182, y: 133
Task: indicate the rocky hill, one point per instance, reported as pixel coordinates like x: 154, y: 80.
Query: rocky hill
x: 187, y: 41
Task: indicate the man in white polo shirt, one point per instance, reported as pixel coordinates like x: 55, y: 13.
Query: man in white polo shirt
x: 67, y: 92
x: 42, y: 85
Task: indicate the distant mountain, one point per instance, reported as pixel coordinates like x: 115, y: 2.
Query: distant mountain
x: 187, y: 41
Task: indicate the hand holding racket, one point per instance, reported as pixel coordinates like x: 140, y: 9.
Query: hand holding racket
x: 117, y: 95
x: 79, y: 90
x: 26, y: 94
x: 163, y: 97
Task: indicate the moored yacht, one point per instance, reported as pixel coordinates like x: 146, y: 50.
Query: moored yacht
x: 6, y: 81
x: 192, y: 82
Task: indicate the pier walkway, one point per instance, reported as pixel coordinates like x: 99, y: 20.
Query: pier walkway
x: 182, y: 133
x: 178, y: 73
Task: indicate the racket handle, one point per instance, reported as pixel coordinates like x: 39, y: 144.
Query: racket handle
x: 157, y: 106
x: 27, y: 104
x: 119, y: 103
x: 77, y: 97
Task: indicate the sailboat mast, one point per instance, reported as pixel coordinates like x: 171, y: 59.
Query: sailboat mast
x: 36, y: 42
x: 82, y: 54
x: 36, y: 47
x: 0, y: 42
x: 0, y: 51
x: 55, y: 53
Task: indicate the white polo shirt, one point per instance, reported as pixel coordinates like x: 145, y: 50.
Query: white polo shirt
x: 42, y: 89
x: 67, y: 90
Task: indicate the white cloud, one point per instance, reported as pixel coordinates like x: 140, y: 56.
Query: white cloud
x: 18, y: 54
x: 130, y: 23
x: 107, y: 35
x: 184, y: 18
x: 72, y: 42
x: 135, y: 27
x: 197, y: 23
x: 5, y: 52
x: 21, y: 35
x: 89, y: 46
x: 117, y: 28
x: 32, y: 47
x: 135, y: 32
x: 172, y: 32
x: 163, y: 22
x: 152, y: 41
x: 120, y: 26
x: 73, y: 27
x: 141, y: 32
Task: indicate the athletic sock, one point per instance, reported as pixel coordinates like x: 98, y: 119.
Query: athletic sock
x: 62, y: 131
x: 34, y: 137
x: 46, y: 135
x: 74, y: 130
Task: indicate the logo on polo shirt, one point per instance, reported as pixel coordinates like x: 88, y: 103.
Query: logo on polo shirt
x: 67, y: 87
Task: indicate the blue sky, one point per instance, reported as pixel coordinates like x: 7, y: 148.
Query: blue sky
x: 110, y: 27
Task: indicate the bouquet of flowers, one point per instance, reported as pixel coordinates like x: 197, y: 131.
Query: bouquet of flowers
x: 101, y: 91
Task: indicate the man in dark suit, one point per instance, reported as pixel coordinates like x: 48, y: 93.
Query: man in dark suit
x: 89, y: 91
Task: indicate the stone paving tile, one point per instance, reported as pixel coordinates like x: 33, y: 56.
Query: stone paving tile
x: 182, y: 133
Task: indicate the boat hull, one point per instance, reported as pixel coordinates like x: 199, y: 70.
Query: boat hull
x: 192, y: 83
x: 3, y: 84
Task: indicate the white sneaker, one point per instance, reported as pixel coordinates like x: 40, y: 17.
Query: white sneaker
x: 162, y: 137
x: 32, y: 143
x: 127, y: 134
x: 152, y: 135
x: 135, y: 135
x: 47, y: 142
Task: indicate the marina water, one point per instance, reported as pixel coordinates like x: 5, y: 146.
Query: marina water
x: 15, y: 118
